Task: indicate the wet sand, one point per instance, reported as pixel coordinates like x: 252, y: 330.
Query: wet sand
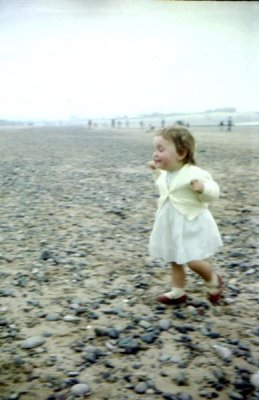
x: 77, y: 208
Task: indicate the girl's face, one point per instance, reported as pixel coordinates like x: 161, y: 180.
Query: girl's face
x: 166, y: 156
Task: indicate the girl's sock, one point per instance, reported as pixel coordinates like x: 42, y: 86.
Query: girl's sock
x: 175, y: 293
x: 214, y: 284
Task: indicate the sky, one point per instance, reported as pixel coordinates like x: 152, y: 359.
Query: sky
x: 109, y: 58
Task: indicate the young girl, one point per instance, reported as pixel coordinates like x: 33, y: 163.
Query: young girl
x: 184, y: 230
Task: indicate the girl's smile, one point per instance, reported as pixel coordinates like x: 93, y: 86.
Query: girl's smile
x: 165, y: 155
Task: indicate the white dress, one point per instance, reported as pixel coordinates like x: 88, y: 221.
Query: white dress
x: 174, y: 238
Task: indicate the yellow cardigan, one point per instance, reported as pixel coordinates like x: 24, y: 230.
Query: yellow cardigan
x: 183, y: 198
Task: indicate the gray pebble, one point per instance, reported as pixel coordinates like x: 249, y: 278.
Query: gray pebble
x: 144, y: 324
x: 53, y: 317
x: 71, y: 318
x: 164, y: 358
x: 32, y: 342
x: 141, y: 388
x: 73, y: 373
x: 176, y: 359
x: 184, y: 396
x: 165, y: 324
x: 254, y: 379
x: 80, y: 389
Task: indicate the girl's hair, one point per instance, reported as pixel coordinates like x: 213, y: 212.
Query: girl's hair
x: 183, y: 140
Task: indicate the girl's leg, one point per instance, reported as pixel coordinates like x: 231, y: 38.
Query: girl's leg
x: 213, y: 281
x: 202, y: 268
x: 178, y: 275
x: 177, y: 294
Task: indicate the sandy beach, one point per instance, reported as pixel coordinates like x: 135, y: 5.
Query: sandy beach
x: 78, y: 309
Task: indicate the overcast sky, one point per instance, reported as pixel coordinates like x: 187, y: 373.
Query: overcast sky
x: 62, y: 58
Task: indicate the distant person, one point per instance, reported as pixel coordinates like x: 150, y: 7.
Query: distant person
x: 141, y: 123
x: 221, y: 125
x: 184, y: 230
x: 229, y: 124
x: 113, y: 123
x: 119, y: 124
x: 179, y: 122
x: 89, y: 123
x: 162, y: 123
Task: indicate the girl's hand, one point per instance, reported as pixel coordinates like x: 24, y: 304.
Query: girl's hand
x: 197, y: 186
x: 152, y: 165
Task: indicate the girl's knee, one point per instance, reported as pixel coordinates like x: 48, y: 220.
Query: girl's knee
x: 194, y: 264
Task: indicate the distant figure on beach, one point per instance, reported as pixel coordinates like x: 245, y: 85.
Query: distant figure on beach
x: 113, y: 123
x: 119, y: 124
x: 179, y: 122
x: 89, y: 123
x: 162, y: 123
x: 141, y: 124
x: 221, y: 125
x: 184, y: 230
x: 229, y: 124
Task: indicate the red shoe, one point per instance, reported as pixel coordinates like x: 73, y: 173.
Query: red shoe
x: 163, y: 298
x: 216, y: 297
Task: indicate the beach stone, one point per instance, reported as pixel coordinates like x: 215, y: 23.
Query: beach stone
x: 71, y: 318
x: 235, y: 396
x: 254, y: 379
x: 80, y: 389
x: 176, y: 359
x: 180, y: 379
x: 32, y: 342
x: 14, y: 396
x: 164, y: 358
x: 165, y: 324
x: 184, y: 396
x: 144, y: 324
x: 45, y: 255
x: 168, y: 396
x: 150, y: 337
x: 129, y: 345
x: 223, y: 352
x: 141, y: 388
x: 73, y: 373
x: 53, y: 317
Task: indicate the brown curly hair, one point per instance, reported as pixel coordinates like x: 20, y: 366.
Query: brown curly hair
x: 183, y: 140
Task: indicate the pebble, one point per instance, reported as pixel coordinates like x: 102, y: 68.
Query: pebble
x: 71, y: 318
x: 184, y: 396
x: 32, y: 342
x: 144, y: 324
x: 164, y: 358
x: 73, y: 373
x: 53, y: 317
x: 254, y: 379
x: 141, y: 388
x: 80, y: 389
x: 223, y: 351
x: 165, y: 324
x: 176, y: 359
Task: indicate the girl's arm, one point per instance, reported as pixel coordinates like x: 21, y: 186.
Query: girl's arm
x: 207, y: 190
x: 155, y: 171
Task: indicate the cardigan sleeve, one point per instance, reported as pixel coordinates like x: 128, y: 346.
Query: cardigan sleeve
x: 211, y: 191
